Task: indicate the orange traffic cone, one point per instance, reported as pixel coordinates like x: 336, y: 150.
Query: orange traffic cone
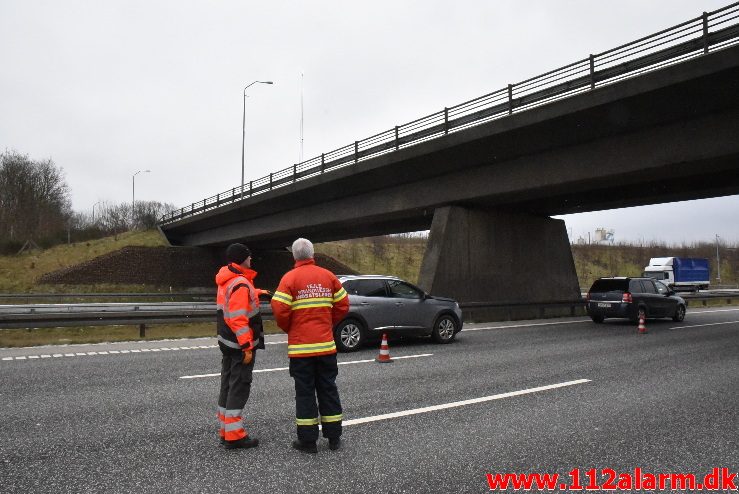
x: 642, y: 327
x: 384, y: 357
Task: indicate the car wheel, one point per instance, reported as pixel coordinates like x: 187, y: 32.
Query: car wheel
x: 679, y: 313
x: 597, y: 319
x: 444, y: 329
x: 349, y: 335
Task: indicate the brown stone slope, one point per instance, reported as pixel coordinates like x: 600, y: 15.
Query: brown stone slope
x: 176, y: 267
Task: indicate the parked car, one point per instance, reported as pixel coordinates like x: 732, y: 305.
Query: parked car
x: 386, y: 304
x: 627, y: 297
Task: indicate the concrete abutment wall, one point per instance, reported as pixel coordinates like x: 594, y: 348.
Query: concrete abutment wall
x: 493, y: 256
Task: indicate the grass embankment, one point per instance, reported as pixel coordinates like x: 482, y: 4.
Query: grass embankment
x: 397, y: 255
x: 18, y: 274
x: 596, y: 261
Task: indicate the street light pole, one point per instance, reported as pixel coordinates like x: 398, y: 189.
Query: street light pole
x: 133, y: 192
x: 243, y: 132
x: 718, y: 262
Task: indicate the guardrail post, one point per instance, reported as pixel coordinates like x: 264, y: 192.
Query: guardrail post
x: 142, y: 330
x: 323, y: 161
x: 270, y: 181
x: 251, y: 188
x: 356, y: 151
x: 397, y: 140
x: 446, y: 120
x: 592, y: 71
x: 510, y: 99
x: 705, y: 32
x: 218, y: 199
x: 295, y: 173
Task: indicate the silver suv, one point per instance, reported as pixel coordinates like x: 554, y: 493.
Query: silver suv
x: 386, y: 304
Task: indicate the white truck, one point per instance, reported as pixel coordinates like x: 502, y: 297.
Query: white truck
x: 679, y: 273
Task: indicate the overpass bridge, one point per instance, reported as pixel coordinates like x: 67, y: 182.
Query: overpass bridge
x: 652, y: 121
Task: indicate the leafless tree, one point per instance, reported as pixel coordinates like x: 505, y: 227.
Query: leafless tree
x: 34, y: 199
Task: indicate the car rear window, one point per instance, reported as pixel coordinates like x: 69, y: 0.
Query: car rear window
x: 609, y: 285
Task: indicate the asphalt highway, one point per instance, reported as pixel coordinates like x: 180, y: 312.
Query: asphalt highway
x: 507, y: 397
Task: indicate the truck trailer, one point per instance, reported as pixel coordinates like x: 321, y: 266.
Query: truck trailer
x: 679, y: 273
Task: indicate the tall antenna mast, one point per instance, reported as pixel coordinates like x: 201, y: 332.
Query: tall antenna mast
x: 300, y: 160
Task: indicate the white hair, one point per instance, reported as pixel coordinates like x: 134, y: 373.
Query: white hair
x: 302, y: 249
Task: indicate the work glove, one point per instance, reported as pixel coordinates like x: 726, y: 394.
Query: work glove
x: 248, y: 356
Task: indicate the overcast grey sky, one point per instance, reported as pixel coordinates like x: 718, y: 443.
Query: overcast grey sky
x: 106, y: 88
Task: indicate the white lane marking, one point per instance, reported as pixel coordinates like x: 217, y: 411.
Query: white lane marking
x: 467, y: 330
x: 698, y: 312
x: 456, y: 404
x: 275, y: 369
x: 707, y: 324
x: 109, y: 352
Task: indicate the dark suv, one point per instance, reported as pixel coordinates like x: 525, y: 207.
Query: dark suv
x: 627, y: 297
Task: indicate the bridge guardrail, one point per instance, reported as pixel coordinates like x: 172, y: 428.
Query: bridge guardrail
x: 709, y: 32
x: 63, y: 315
x: 556, y: 308
x: 107, y: 314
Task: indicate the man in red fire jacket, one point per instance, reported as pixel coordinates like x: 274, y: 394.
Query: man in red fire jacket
x: 307, y: 304
x: 239, y: 335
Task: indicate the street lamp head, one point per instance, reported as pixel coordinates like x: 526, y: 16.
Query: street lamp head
x: 256, y: 82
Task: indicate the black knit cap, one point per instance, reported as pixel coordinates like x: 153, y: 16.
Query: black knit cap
x: 237, y: 253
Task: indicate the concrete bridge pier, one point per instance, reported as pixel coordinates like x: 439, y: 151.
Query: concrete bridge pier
x: 478, y: 255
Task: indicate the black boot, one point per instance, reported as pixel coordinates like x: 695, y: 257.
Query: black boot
x: 244, y: 442
x: 305, y: 447
x: 334, y: 443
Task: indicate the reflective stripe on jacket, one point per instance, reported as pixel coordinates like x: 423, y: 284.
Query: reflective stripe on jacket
x: 239, y: 321
x: 308, y: 303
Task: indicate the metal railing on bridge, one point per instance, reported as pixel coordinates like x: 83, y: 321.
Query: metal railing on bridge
x: 709, y: 32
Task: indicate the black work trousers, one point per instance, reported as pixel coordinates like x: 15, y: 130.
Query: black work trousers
x: 235, y: 380
x: 315, y: 377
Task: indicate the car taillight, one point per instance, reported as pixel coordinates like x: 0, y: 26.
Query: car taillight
x: 626, y: 298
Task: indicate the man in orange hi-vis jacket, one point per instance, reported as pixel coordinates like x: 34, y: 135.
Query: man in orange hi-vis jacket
x: 306, y: 305
x: 239, y: 335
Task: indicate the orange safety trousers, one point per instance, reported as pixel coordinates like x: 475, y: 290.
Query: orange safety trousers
x: 236, y: 378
